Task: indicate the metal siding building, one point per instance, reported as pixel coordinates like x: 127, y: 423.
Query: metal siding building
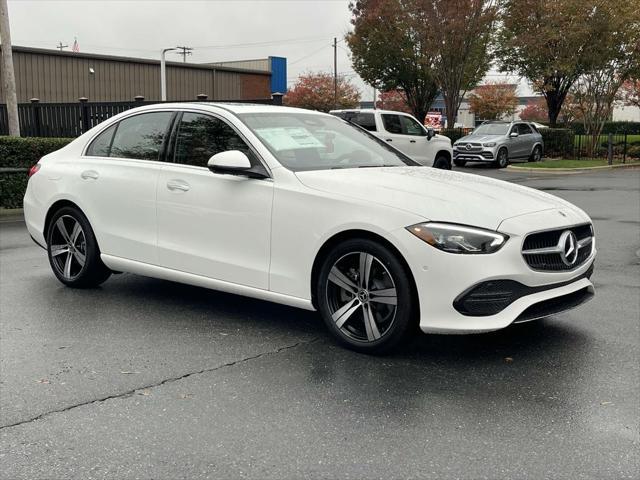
x: 54, y: 76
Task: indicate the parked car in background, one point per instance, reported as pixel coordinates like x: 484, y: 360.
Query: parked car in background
x: 499, y: 143
x: 304, y: 209
x: 405, y: 133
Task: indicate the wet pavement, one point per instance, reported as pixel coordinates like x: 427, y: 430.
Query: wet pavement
x: 145, y: 378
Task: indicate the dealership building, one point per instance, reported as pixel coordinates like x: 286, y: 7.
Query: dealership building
x: 53, y: 76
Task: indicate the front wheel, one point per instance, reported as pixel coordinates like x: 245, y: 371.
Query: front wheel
x: 442, y: 163
x: 365, y: 296
x: 502, y: 159
x: 73, y: 251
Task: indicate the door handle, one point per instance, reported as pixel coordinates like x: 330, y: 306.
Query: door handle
x: 89, y: 175
x: 412, y: 141
x: 178, y: 185
x: 389, y: 140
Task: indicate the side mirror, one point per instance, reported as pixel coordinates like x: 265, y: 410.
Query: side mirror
x: 430, y: 133
x: 514, y: 134
x: 234, y: 162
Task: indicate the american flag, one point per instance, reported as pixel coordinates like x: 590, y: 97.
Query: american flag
x: 76, y: 47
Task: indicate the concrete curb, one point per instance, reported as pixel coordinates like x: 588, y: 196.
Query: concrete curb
x: 514, y: 168
x: 11, y: 215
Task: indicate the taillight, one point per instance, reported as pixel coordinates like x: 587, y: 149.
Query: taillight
x: 34, y: 169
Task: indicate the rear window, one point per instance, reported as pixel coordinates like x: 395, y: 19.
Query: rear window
x: 141, y: 137
x: 101, y: 145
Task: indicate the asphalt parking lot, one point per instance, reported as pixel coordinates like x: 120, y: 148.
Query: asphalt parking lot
x: 145, y: 378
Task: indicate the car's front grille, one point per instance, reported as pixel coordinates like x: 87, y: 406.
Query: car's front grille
x: 554, y: 250
x: 469, y: 147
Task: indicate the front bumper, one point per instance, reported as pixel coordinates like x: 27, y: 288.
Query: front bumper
x: 444, y: 281
x: 484, y: 155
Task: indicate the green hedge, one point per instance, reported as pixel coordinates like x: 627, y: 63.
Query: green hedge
x: 12, y: 188
x: 631, y: 128
x: 22, y: 153
x: 558, y: 142
x: 25, y: 152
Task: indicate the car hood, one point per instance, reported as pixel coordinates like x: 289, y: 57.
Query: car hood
x: 435, y: 194
x: 479, y: 138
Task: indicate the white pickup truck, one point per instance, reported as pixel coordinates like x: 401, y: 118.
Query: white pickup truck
x: 405, y: 133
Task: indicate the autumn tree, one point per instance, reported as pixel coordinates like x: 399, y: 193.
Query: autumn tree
x: 315, y: 91
x: 389, y: 50
x: 460, y: 34
x: 422, y: 47
x: 393, y: 100
x: 616, y: 61
x: 552, y: 43
x: 535, y: 111
x: 492, y: 101
x: 630, y: 92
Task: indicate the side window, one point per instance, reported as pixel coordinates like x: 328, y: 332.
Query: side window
x: 141, y: 136
x: 101, y: 145
x: 392, y: 123
x: 202, y: 136
x: 411, y: 127
x: 366, y: 121
x: 524, y: 129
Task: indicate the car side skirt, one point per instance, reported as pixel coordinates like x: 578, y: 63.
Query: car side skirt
x: 125, y: 265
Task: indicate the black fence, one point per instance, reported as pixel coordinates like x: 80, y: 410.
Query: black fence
x: 73, y: 119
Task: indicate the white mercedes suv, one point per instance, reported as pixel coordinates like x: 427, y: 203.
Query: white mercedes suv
x: 305, y: 209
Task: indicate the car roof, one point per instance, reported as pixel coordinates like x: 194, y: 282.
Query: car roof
x: 368, y: 110
x: 237, y: 108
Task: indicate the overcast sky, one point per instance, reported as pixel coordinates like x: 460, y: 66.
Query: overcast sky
x: 301, y: 30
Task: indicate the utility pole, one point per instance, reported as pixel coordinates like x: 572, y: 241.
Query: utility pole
x: 60, y: 46
x: 185, y: 51
x: 163, y: 73
x: 335, y: 72
x: 9, y: 76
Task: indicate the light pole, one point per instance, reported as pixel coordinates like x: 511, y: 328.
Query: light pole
x: 163, y: 74
x: 8, y: 74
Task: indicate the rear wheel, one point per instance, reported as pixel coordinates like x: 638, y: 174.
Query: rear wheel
x: 502, y: 160
x: 73, y: 251
x: 536, y: 155
x: 460, y: 163
x: 365, y: 296
x: 442, y: 162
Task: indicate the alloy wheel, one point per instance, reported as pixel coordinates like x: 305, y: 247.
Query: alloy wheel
x: 503, y: 158
x: 536, y: 154
x: 68, y: 247
x: 361, y: 296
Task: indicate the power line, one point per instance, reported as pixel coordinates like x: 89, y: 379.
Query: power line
x: 185, y: 51
x: 267, y: 43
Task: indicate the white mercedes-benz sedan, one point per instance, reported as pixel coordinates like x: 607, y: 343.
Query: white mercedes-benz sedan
x: 305, y: 209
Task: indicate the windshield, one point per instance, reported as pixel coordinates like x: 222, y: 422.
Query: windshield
x: 492, y: 129
x: 306, y: 141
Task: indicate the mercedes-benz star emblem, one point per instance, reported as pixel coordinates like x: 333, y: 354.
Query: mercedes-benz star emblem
x: 468, y: 147
x: 569, y: 247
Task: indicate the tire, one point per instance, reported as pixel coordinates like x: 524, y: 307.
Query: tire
x: 460, y: 163
x: 536, y: 155
x: 358, y: 318
x: 73, y: 252
x: 442, y: 163
x: 502, y: 159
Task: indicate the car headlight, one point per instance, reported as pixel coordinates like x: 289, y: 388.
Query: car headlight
x: 490, y: 144
x: 454, y: 238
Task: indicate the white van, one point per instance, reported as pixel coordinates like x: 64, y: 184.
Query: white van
x: 405, y: 133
